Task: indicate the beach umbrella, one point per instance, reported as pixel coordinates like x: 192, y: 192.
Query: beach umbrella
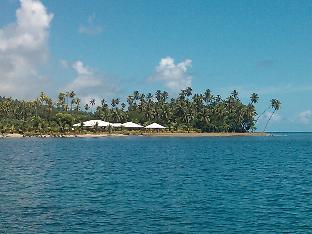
x: 155, y: 126
x: 131, y: 125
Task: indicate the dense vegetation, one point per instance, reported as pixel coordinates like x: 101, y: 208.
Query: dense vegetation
x: 197, y: 112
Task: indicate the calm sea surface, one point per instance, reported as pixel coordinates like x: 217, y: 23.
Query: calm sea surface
x: 157, y: 185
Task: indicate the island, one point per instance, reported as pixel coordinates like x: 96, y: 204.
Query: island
x: 185, y: 114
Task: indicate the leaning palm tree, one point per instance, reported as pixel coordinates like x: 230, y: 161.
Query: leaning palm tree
x: 276, y: 105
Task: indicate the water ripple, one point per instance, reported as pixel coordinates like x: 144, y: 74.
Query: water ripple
x: 158, y: 185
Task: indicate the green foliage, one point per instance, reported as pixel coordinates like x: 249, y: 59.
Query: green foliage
x: 187, y: 112
x: 65, y: 121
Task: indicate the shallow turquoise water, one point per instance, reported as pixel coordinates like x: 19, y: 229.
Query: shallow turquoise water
x: 157, y: 185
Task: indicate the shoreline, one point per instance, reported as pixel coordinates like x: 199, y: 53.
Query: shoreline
x: 208, y: 134
x: 145, y: 134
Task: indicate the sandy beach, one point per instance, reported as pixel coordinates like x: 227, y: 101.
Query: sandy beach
x: 149, y: 134
x: 192, y: 134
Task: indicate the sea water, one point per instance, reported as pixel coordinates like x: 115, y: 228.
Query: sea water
x: 157, y: 184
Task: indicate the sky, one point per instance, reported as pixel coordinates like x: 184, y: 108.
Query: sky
x: 106, y: 49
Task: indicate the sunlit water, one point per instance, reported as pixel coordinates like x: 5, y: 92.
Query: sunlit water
x: 156, y: 185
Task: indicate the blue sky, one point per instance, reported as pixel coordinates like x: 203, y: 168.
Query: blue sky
x: 110, y: 48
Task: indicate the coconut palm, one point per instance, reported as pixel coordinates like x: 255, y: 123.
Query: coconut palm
x: 208, y: 97
x: 234, y: 94
x: 188, y: 91
x: 158, y: 95
x: 86, y: 107
x: 61, y: 100
x: 276, y: 105
x: 92, y: 102
x: 254, y: 98
x: 197, y: 111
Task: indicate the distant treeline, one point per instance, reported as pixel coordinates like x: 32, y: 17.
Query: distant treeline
x: 204, y: 112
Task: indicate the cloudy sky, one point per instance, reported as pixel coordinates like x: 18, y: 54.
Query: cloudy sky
x: 110, y: 48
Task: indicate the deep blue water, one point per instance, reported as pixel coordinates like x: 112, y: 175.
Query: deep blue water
x: 157, y: 185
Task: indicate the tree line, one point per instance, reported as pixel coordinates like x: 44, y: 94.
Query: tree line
x: 204, y: 112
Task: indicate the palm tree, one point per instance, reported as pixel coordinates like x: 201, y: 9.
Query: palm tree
x: 254, y: 98
x: 202, y: 112
x: 208, y: 96
x: 67, y: 95
x: 188, y: 91
x: 61, y: 100
x: 149, y: 97
x: 115, y: 102
x: 123, y: 106
x: 158, y: 95
x: 165, y: 96
x: 92, y: 102
x: 72, y: 95
x: 276, y: 105
x: 86, y: 107
x: 77, y: 102
x: 218, y: 98
x: 136, y: 95
x: 234, y: 94
x: 130, y: 101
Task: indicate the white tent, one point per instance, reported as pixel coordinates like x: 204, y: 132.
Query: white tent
x: 155, y: 126
x: 131, y: 125
x: 103, y: 123
x: 92, y: 123
x: 116, y: 125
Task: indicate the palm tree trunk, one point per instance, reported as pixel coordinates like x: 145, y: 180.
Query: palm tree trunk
x: 261, y: 114
x: 269, y: 120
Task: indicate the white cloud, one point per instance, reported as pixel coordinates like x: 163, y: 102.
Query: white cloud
x: 91, y: 28
x: 81, y: 69
x: 23, y: 49
x: 90, y: 84
x: 64, y: 63
x: 305, y: 116
x: 173, y: 76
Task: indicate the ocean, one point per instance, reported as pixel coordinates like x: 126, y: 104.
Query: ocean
x: 157, y: 184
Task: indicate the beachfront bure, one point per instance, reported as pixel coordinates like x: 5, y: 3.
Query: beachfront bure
x: 127, y: 125
x: 186, y: 112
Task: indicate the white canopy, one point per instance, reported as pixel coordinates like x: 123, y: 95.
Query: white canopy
x: 92, y: 123
x: 115, y: 125
x: 155, y: 126
x: 103, y: 123
x: 131, y: 125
